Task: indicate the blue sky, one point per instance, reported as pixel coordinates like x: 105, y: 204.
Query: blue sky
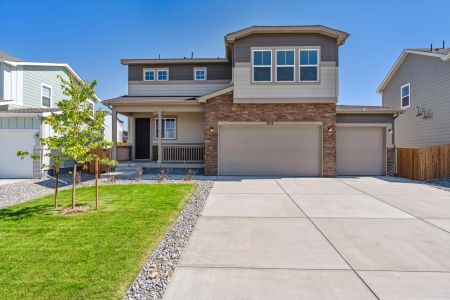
x: 93, y: 35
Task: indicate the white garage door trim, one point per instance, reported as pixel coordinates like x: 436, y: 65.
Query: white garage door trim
x: 221, y: 124
x: 384, y: 126
x: 25, y: 134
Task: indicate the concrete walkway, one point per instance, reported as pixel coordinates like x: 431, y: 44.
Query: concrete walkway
x: 318, y: 238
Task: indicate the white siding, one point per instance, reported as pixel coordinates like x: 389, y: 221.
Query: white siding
x: 289, y: 92
x: 430, y: 88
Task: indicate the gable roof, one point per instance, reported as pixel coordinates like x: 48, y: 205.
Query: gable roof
x: 7, y: 56
x: 19, y: 62
x: 341, y: 36
x: 443, y: 54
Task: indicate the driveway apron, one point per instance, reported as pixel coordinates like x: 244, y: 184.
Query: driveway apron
x: 317, y: 238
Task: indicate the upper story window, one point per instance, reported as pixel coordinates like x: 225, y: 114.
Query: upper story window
x: 262, y: 65
x: 46, y: 95
x: 149, y: 75
x: 309, y: 65
x: 405, y: 95
x: 163, y: 75
x: 285, y: 65
x: 168, y: 128
x: 200, y: 74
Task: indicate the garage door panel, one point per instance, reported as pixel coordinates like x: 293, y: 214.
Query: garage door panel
x: 360, y: 151
x: 270, y: 150
x: 11, y: 142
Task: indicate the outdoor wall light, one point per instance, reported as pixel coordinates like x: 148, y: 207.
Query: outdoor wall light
x: 330, y: 129
x: 390, y: 130
x: 36, y: 135
x: 211, y: 129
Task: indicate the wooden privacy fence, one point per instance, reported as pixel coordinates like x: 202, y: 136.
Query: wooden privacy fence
x: 102, y: 153
x: 424, y: 163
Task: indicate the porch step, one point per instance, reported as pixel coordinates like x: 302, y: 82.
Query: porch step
x: 125, y: 172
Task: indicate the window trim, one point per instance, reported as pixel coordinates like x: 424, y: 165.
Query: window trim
x: 162, y: 70
x: 316, y: 65
x: 156, y: 128
x: 200, y: 69
x: 409, y: 95
x: 276, y: 65
x: 262, y: 66
x: 148, y: 70
x: 51, y: 94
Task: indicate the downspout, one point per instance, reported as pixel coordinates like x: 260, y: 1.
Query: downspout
x: 393, y: 141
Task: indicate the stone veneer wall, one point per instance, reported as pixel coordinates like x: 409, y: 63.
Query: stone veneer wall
x: 222, y: 108
x: 390, y: 152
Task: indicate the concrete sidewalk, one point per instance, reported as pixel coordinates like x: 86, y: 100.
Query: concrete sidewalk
x: 318, y: 238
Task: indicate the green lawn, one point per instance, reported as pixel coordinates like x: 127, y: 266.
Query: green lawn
x: 91, y: 255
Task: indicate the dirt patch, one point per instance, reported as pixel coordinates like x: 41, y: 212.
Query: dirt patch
x: 73, y: 211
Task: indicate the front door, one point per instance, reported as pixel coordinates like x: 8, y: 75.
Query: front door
x: 142, y: 138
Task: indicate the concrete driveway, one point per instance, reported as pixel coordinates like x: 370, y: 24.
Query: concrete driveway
x: 318, y: 238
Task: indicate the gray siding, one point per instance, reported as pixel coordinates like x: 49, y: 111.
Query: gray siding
x: 19, y: 123
x: 182, y: 71
x: 34, y: 76
x: 430, y: 88
x: 328, y: 45
x: 364, y: 118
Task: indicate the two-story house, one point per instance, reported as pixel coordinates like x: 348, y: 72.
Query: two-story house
x: 419, y: 82
x: 29, y: 92
x: 269, y: 107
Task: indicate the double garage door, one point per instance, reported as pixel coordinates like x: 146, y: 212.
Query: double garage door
x: 11, y: 142
x: 296, y: 150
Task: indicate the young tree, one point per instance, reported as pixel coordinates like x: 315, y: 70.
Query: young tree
x: 77, y: 130
x: 80, y: 126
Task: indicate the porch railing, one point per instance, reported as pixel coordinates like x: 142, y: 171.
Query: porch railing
x: 192, y: 153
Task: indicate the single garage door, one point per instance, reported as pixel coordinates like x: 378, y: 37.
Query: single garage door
x: 284, y: 150
x: 360, y: 151
x: 11, y: 142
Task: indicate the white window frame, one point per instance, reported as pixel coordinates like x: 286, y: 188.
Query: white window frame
x: 51, y: 94
x: 281, y: 66
x: 409, y: 95
x: 162, y: 70
x: 261, y: 66
x: 316, y: 65
x: 92, y: 104
x: 163, y: 119
x: 200, y: 69
x: 149, y: 70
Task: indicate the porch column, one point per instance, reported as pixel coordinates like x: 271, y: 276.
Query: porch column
x: 159, y: 137
x: 114, y: 134
x: 131, y: 136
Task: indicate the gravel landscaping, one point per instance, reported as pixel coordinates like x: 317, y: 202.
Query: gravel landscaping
x: 443, y: 184
x: 29, y: 189
x: 156, y: 273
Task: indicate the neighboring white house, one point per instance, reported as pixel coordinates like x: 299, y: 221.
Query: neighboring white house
x: 108, y: 129
x: 29, y: 91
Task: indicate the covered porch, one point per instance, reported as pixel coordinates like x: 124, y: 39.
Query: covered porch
x: 162, y: 133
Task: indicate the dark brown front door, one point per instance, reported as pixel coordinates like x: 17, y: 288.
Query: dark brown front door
x: 142, y: 138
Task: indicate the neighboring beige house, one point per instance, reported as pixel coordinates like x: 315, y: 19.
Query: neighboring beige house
x: 419, y: 82
x: 29, y: 92
x: 269, y: 107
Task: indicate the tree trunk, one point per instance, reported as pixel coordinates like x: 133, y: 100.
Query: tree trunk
x: 96, y: 183
x: 56, y: 184
x: 74, y: 177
